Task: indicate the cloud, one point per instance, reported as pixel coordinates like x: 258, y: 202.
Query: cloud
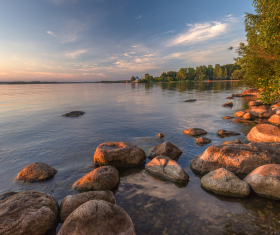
x: 139, y: 17
x: 233, y: 19
x: 134, y: 46
x: 51, y: 33
x: 199, y: 32
x: 170, y: 31
x: 75, y: 54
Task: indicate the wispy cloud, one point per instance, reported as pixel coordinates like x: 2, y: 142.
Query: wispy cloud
x: 75, y: 54
x: 199, y: 32
x: 138, y: 17
x: 170, y: 31
x: 51, y: 33
x: 134, y: 46
x: 234, y: 19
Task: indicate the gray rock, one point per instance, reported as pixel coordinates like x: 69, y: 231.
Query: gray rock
x: 74, y: 114
x: 273, y: 149
x: 7, y: 194
x: 166, y: 149
x: 225, y: 183
x: 190, y: 100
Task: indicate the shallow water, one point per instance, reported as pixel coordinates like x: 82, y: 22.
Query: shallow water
x: 33, y: 130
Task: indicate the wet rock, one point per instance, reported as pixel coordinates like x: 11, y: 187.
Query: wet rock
x: 275, y: 119
x: 119, y: 154
x: 248, y: 116
x: 74, y: 114
x: 224, y: 133
x: 98, y: 217
x: 160, y: 135
x: 275, y: 106
x: 195, y: 132
x: 250, y: 92
x: 203, y: 141
x: 264, y: 133
x: 7, y: 194
x: 237, y: 95
x: 36, y: 172
x: 227, y: 117
x: 277, y: 111
x: 261, y: 111
x: 102, y: 178
x: 240, y: 120
x: 72, y: 202
x: 230, y: 142
x: 225, y: 183
x: 255, y: 103
x: 238, y: 158
x: 166, y: 149
x: 28, y: 212
x: 265, y: 181
x: 273, y: 149
x: 190, y: 100
x: 230, y: 97
x: 167, y: 168
x: 239, y: 114
x: 228, y: 104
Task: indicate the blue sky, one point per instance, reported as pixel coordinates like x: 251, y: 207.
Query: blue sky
x: 93, y: 40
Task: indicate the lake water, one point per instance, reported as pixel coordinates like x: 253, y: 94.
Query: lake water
x: 33, y: 130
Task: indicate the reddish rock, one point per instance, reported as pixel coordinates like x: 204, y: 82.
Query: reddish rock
x: 230, y: 97
x: 72, y: 202
x: 166, y: 149
x: 238, y: 158
x: 248, y: 116
x: 230, y: 142
x: 102, y: 178
x: 224, y: 133
x: 239, y: 114
x: 261, y: 111
x: 273, y: 149
x: 275, y: 119
x: 228, y: 104
x: 264, y: 133
x: 36, y: 172
x: 227, y: 117
x: 265, y: 181
x: 255, y: 103
x: 240, y: 120
x: 250, y: 92
x: 98, y: 217
x: 160, y: 135
x: 275, y: 106
x: 119, y: 154
x: 203, y: 141
x: 237, y: 95
x: 195, y: 132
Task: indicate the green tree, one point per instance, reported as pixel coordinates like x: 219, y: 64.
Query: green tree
x: 182, y: 74
x: 216, y: 71
x: 225, y: 73
x: 132, y: 78
x: 260, y: 58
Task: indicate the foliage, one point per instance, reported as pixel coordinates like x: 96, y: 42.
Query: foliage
x: 132, y: 78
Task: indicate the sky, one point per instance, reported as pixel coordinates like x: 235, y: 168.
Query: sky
x: 94, y: 40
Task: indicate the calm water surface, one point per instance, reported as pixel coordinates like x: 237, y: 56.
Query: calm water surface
x: 33, y: 130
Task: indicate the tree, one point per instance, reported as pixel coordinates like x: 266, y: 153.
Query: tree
x: 260, y: 58
x: 225, y: 73
x: 132, y: 78
x: 216, y: 71
x: 182, y: 74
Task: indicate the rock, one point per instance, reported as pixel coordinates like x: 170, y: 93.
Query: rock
x: 203, y: 141
x: 74, y: 114
x: 250, y: 92
x: 277, y: 111
x: 273, y: 149
x: 239, y: 114
x: 264, y: 133
x: 261, y: 111
x: 119, y: 154
x: 224, y: 133
x: 225, y: 183
x: 248, y: 116
x: 28, y: 212
x: 255, y: 103
x: 166, y: 149
x: 160, y: 135
x: 265, y: 181
x: 239, y: 120
x: 227, y: 117
x: 228, y: 104
x: 167, y: 168
x: 72, y: 202
x: 275, y: 119
x: 102, y: 178
x: 194, y: 132
x: 230, y: 142
x: 190, y: 100
x: 230, y: 97
x: 98, y: 217
x: 7, y: 194
x: 36, y: 172
x: 275, y: 106
x: 238, y: 158
x: 237, y: 95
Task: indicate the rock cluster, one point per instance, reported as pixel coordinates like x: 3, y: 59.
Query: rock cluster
x: 250, y: 92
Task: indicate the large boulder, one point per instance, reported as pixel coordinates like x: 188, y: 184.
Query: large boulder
x: 119, y: 154
x: 74, y: 114
x: 28, y: 212
x: 250, y: 92
x: 239, y: 159
x: 167, y: 168
x: 265, y: 181
x: 102, y: 178
x: 36, y: 172
x: 261, y: 111
x: 72, y: 202
x: 203, y: 141
x: 166, y: 149
x: 7, y: 194
x: 224, y: 133
x: 225, y: 183
x: 264, y: 133
x: 275, y: 119
x: 239, y: 114
x: 275, y: 106
x: 195, y: 132
x: 98, y: 217
x: 273, y: 149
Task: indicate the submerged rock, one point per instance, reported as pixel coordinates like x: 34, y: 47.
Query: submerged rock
x: 227, y: 117
x: 238, y: 158
x: 203, y: 141
x: 72, y: 202
x: 237, y: 95
x: 224, y: 133
x: 261, y: 111
x: 36, y: 172
x: 98, y: 217
x: 228, y: 104
x: 167, y: 168
x: 225, y: 183
x: 102, y: 178
x: 74, y: 114
x: 28, y: 212
x: 264, y: 133
x: 160, y: 135
x: 230, y: 142
x: 239, y: 114
x: 166, y: 149
x: 240, y: 120
x: 190, y: 100
x: 195, y: 132
x: 265, y: 181
x: 250, y: 92
x: 275, y: 119
x: 119, y: 154
x: 229, y: 97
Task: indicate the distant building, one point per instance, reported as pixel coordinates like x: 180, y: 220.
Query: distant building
x: 136, y: 79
